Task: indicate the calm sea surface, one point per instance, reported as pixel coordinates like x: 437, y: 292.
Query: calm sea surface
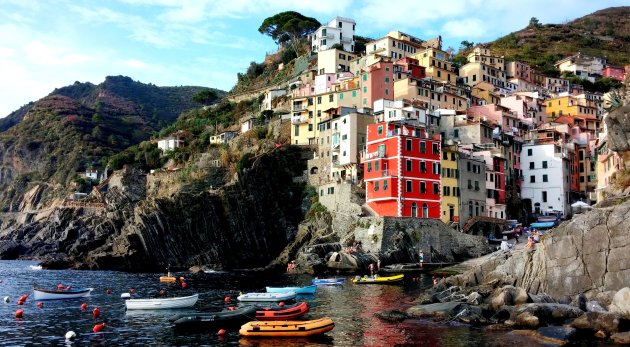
x: 352, y: 307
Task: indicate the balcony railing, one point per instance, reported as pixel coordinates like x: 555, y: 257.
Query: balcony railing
x: 299, y: 119
x: 299, y: 107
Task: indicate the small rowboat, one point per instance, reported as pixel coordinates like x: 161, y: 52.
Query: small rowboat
x: 312, y: 289
x: 287, y: 328
x: 162, y: 303
x: 168, y: 279
x: 328, y: 281
x: 267, y: 297
x: 378, y: 280
x: 210, y: 320
x: 59, y: 294
x: 282, y: 313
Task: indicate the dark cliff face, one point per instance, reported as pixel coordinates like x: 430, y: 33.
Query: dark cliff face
x: 243, y: 225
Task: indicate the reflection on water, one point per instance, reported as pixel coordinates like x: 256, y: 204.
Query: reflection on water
x: 352, y: 307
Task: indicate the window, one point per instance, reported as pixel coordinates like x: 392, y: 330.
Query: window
x: 544, y: 164
x: 376, y: 186
x: 380, y: 130
x: 319, y: 100
x: 447, y: 190
x: 532, y: 179
x: 436, y: 169
x: 365, y: 77
x: 423, y: 167
x: 354, y: 93
x: 386, y: 79
x: 470, y: 184
x: 529, y: 152
x: 369, y: 167
x: 436, y: 148
x: 409, y: 144
x: 310, y: 127
x: 436, y: 188
x: 544, y: 196
x: 468, y: 166
x: 531, y: 165
x: 385, y: 185
x: 545, y: 179
x: 408, y: 165
x: 423, y: 187
x: 296, y: 130
x: 376, y: 164
x: 331, y: 97
x: 477, y: 185
x: 445, y: 155
x: 456, y: 133
x: 409, y: 187
x: 423, y: 147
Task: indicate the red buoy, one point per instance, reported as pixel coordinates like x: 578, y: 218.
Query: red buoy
x: 230, y: 308
x: 281, y: 304
x: 96, y: 312
x: 23, y: 298
x: 184, y: 284
x: 60, y: 286
x: 162, y: 292
x: 227, y: 299
x: 19, y: 313
x: 221, y: 332
x: 108, y: 292
x: 98, y: 327
x: 20, y: 302
x: 132, y: 291
x: 83, y: 306
x: 40, y: 304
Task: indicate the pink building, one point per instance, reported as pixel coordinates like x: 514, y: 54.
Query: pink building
x: 324, y: 82
x: 530, y: 111
x: 615, y: 72
x: 377, y: 82
x: 516, y: 69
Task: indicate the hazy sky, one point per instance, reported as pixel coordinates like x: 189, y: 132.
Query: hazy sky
x: 52, y: 43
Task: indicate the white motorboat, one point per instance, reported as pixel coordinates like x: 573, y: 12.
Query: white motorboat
x: 35, y: 267
x: 59, y: 294
x: 162, y: 303
x: 267, y: 297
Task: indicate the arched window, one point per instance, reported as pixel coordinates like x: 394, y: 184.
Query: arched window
x: 414, y: 210
x: 425, y: 211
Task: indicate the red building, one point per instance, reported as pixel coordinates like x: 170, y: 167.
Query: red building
x: 409, y: 67
x: 499, y: 165
x: 402, y: 171
x: 615, y: 72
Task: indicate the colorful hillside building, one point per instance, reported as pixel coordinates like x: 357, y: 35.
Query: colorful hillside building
x: 402, y: 170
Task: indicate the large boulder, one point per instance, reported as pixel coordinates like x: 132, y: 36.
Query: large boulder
x: 621, y: 302
x: 508, y: 295
x: 605, y: 321
x: 621, y: 338
x: 442, y: 310
x: 545, y: 313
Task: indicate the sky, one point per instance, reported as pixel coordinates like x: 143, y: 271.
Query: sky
x: 53, y: 43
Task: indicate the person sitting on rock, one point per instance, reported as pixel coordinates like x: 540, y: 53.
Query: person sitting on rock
x: 536, y: 236
x: 504, y: 244
x: 371, y: 267
x: 530, y: 242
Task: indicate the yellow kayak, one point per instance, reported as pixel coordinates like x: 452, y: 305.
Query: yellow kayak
x: 378, y: 279
x: 287, y: 328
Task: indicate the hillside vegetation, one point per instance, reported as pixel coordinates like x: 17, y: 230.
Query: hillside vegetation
x: 602, y: 33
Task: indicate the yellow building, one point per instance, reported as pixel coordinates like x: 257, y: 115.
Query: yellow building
x: 484, y: 56
x: 437, y: 65
x: 570, y: 105
x: 450, y: 185
x: 485, y: 91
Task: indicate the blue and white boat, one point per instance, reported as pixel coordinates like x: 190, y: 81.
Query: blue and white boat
x: 312, y: 289
x: 328, y: 281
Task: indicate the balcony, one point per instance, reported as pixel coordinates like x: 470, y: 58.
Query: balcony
x: 299, y: 119
x: 346, y: 40
x: 299, y: 107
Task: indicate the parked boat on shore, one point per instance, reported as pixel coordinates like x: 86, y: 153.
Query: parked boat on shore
x: 162, y: 303
x: 60, y: 294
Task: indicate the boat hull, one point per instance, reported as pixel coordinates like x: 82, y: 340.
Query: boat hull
x: 266, y: 297
x: 287, y: 328
x: 162, y: 303
x: 43, y: 294
x: 167, y: 279
x: 379, y: 280
x: 328, y: 281
x: 211, y: 320
x: 312, y: 289
x: 285, y: 313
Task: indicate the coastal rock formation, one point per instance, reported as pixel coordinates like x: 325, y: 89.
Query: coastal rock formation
x: 244, y: 224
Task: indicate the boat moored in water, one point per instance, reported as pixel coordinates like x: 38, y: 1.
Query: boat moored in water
x: 378, y: 279
x: 312, y: 289
x: 60, y: 294
x: 162, y: 303
x: 328, y: 281
x: 266, y: 297
x: 287, y: 328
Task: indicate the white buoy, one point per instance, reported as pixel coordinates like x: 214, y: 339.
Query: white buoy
x: 70, y: 335
x: 125, y: 295
x: 6, y: 299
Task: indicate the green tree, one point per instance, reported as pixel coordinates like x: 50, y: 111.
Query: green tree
x: 288, y: 27
x: 205, y: 97
x: 534, y: 23
x: 466, y: 45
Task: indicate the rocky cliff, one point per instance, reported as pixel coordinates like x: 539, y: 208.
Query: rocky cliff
x: 589, y: 254
x: 243, y: 224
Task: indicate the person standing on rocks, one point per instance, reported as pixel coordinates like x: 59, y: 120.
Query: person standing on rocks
x: 378, y: 265
x: 421, y: 257
x: 371, y: 267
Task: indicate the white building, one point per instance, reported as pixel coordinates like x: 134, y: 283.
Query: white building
x: 546, y: 177
x: 91, y: 174
x: 582, y: 66
x: 390, y: 111
x: 334, y: 61
x: 398, y: 45
x: 349, y: 136
x: 338, y: 31
x: 223, y: 138
x: 170, y: 143
x: 267, y: 103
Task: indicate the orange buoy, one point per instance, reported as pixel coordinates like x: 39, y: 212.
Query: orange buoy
x: 227, y: 299
x: 19, y: 313
x: 221, y: 332
x: 183, y: 284
x: 108, y: 292
x: 83, y: 306
x: 98, y: 327
x: 132, y: 291
x: 40, y: 304
x: 96, y: 312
